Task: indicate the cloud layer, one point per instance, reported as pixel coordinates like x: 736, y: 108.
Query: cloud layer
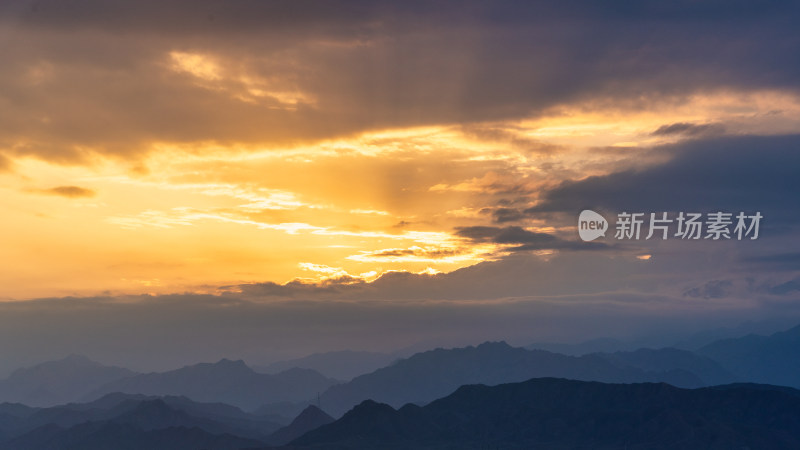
x: 276, y: 73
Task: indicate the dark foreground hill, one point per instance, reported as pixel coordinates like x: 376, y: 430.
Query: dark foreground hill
x: 550, y: 413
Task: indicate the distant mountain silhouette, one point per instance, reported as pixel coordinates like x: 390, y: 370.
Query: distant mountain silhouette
x: 215, y: 410
x: 429, y: 375
x: 226, y: 381
x: 284, y: 409
x: 311, y: 418
x: 341, y: 365
x: 771, y: 359
x: 132, y: 421
x: 705, y: 337
x: 57, y: 382
x: 551, y: 413
x: 120, y: 436
x: 600, y: 345
x: 156, y: 415
x: 142, y: 412
x: 672, y: 359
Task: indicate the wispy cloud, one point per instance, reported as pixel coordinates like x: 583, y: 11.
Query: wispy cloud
x: 67, y: 191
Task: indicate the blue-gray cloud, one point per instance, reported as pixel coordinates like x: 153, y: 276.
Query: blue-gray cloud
x: 525, y: 239
x: 742, y: 173
x: 689, y: 129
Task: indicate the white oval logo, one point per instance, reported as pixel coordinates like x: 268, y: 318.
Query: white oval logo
x: 591, y: 225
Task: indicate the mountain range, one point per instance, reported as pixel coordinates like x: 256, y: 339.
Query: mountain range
x: 773, y: 359
x: 429, y: 375
x: 340, y: 365
x: 226, y: 381
x: 135, y: 421
x: 57, y: 382
x: 541, y: 413
x: 420, y: 378
x: 549, y: 413
x: 488, y: 396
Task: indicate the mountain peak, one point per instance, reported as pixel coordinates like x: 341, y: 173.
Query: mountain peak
x: 310, y: 419
x: 371, y: 407
x: 225, y: 362
x: 494, y: 344
x: 312, y: 413
x: 224, y: 365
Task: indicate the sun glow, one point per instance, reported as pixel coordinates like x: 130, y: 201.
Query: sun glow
x: 188, y: 215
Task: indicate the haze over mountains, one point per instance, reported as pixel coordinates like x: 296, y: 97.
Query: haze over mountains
x: 433, y: 374
x: 76, y: 378
x: 57, y: 382
x: 226, y: 381
x: 340, y: 365
x: 419, y: 378
x: 136, y: 422
x: 206, y: 405
x: 773, y: 359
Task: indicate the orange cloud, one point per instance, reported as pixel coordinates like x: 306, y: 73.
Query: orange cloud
x: 68, y: 192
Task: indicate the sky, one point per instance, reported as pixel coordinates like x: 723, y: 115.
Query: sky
x: 190, y: 180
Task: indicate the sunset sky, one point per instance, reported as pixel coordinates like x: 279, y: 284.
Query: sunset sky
x: 379, y: 174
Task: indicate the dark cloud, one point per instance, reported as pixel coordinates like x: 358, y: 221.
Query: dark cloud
x: 788, y: 287
x: 711, y: 289
x: 527, y: 240
x: 416, y: 252
x: 230, y: 15
x: 507, y: 235
x: 503, y: 215
x: 177, y: 17
x: 728, y: 174
x: 775, y: 262
x: 689, y: 129
x: 68, y: 191
x: 91, y: 75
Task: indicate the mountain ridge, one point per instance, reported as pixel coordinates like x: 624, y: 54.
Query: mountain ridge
x: 57, y: 382
x: 226, y: 381
x: 547, y: 413
x: 429, y: 375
